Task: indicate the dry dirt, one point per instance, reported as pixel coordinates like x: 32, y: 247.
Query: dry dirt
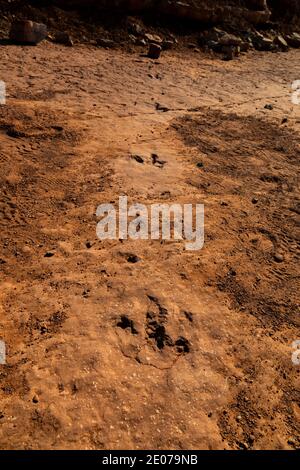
x: 180, y: 350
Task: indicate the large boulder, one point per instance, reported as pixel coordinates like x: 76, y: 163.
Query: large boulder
x: 27, y: 32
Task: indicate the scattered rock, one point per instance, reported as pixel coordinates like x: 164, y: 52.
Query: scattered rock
x: 49, y: 254
x: 262, y: 43
x: 154, y: 51
x: 199, y: 165
x: 168, y: 44
x: 35, y: 399
x: 132, y: 38
x: 161, y: 107
x: 243, y: 445
x: 293, y: 40
x: 27, y: 32
x: 141, y: 42
x: 254, y: 200
x: 153, y: 38
x: 14, y: 133
x: 192, y: 45
x: 182, y: 345
x: 281, y: 42
x: 278, y: 258
x: 213, y: 45
x: 292, y: 442
x: 62, y: 37
x: 231, y: 52
x: 126, y: 323
x: 187, y: 314
x: 88, y: 245
x: 212, y: 35
x: 133, y: 259
x: 269, y: 106
x: 230, y: 40
x: 138, y: 158
x: 245, y: 46
x: 74, y: 388
x: 220, y: 41
x: 107, y: 43
x: 156, y: 161
x: 135, y: 28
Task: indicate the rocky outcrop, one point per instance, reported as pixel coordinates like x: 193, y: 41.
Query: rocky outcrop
x: 205, y: 11
x: 214, y: 11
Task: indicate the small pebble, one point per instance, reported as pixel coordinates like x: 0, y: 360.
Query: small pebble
x: 133, y: 259
x: 292, y: 441
x: 138, y: 159
x: 244, y: 445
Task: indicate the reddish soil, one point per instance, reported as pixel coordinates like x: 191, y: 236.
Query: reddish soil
x: 86, y: 368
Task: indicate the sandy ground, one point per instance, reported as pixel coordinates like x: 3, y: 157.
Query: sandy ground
x: 86, y: 367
